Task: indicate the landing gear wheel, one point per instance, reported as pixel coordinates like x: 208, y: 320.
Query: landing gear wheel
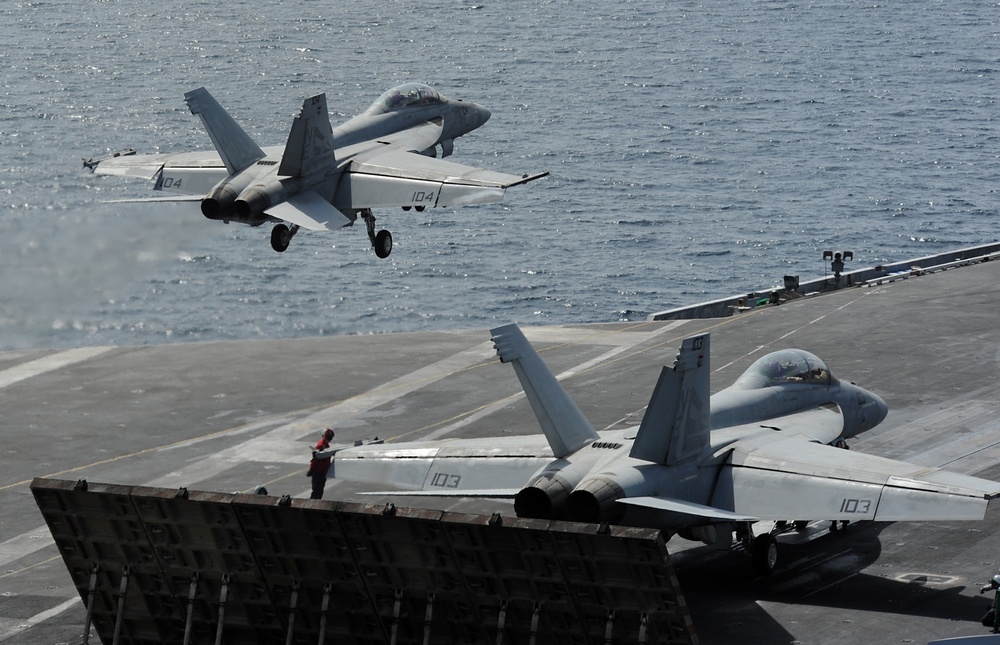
x: 280, y: 237
x: 764, y: 553
x: 383, y: 244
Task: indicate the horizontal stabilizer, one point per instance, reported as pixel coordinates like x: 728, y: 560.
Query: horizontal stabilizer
x: 687, y: 508
x: 310, y: 211
x: 564, y: 425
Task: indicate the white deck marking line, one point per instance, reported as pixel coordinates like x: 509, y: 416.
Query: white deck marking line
x: 25, y: 544
x: 39, y: 537
x: 49, y: 363
x: 284, y: 444
x: 281, y: 445
x: 31, y: 621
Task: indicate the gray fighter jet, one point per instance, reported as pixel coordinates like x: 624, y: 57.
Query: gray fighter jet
x: 324, y: 177
x: 766, y: 449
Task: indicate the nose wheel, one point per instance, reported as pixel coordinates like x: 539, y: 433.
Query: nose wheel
x: 382, y: 242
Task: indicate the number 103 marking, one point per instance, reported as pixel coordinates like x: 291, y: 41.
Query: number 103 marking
x: 855, y: 505
x: 445, y: 480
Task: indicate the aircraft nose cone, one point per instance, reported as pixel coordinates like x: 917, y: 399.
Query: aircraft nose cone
x: 484, y: 114
x: 880, y: 409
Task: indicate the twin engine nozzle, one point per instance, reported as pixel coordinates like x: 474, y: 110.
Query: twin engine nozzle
x: 568, y: 493
x: 236, y: 200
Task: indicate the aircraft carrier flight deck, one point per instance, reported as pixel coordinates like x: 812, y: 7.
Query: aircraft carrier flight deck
x: 230, y: 416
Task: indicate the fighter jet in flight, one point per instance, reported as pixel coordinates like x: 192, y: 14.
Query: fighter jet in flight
x: 324, y: 177
x: 766, y: 449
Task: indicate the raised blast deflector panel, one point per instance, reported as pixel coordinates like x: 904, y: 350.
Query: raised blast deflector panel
x: 312, y: 571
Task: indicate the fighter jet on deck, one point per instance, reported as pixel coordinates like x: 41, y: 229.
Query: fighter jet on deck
x: 763, y: 449
x: 324, y: 177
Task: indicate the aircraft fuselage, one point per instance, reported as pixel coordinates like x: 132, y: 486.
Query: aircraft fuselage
x: 355, y: 140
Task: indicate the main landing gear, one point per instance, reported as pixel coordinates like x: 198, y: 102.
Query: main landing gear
x: 763, y: 549
x: 281, y: 236
x: 382, y: 242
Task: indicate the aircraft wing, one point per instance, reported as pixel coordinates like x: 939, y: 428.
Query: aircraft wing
x: 452, y: 467
x: 397, y: 177
x: 127, y: 164
x: 188, y: 173
x: 493, y: 493
x: 788, y: 478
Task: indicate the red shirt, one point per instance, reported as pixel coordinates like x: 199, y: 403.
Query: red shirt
x: 320, y: 466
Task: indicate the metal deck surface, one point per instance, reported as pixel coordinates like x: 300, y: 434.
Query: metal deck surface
x: 229, y: 416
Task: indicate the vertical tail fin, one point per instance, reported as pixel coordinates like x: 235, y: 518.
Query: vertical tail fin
x: 310, y: 141
x: 562, y: 421
x: 676, y: 424
x: 237, y: 149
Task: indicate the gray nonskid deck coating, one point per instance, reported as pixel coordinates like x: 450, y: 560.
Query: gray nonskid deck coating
x: 229, y: 416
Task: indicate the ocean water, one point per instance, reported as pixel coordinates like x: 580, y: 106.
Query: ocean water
x: 696, y: 150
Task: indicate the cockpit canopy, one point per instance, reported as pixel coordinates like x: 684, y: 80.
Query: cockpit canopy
x: 784, y: 367
x: 405, y: 96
